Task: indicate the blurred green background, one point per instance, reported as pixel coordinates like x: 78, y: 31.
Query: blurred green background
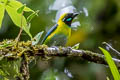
x: 99, y: 21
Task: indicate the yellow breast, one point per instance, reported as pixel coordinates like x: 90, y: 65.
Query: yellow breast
x: 62, y: 29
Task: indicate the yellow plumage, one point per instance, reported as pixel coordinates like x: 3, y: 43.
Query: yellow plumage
x: 60, y: 33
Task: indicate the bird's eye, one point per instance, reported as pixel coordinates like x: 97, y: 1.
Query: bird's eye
x: 69, y: 19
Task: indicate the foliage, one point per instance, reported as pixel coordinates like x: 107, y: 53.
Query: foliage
x: 76, y: 46
x: 111, y: 64
x: 15, y: 10
x: 49, y: 75
x: 37, y: 38
x: 9, y: 69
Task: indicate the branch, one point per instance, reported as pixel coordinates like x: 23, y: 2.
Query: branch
x: 68, y: 52
x: 108, y: 45
x: 24, y: 69
x: 12, y: 51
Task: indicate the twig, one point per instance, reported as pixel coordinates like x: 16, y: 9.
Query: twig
x: 20, y: 32
x: 24, y: 69
x: 117, y: 52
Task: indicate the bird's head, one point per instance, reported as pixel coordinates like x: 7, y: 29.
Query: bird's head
x: 67, y: 18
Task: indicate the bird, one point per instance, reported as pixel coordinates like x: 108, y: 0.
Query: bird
x: 60, y: 33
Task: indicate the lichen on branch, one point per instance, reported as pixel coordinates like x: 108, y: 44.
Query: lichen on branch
x: 25, y: 52
x: 14, y: 50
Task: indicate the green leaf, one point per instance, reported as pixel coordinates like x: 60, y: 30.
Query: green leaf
x: 17, y: 5
x: 76, y: 46
x: 16, y: 18
x: 1, y: 57
x: 49, y: 74
x: 5, y: 78
x: 10, y: 69
x: 107, y: 78
x: 37, y: 38
x: 30, y: 17
x: 21, y: 9
x: 111, y: 64
x: 5, y: 1
x: 2, y: 10
x: 2, y: 72
x: 2, y: 1
x: 27, y: 30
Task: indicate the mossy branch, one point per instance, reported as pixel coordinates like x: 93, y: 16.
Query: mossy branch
x: 12, y: 50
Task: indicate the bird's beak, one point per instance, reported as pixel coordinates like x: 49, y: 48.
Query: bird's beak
x: 75, y: 14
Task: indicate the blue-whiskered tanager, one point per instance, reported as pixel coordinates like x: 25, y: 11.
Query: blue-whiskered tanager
x: 60, y: 33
